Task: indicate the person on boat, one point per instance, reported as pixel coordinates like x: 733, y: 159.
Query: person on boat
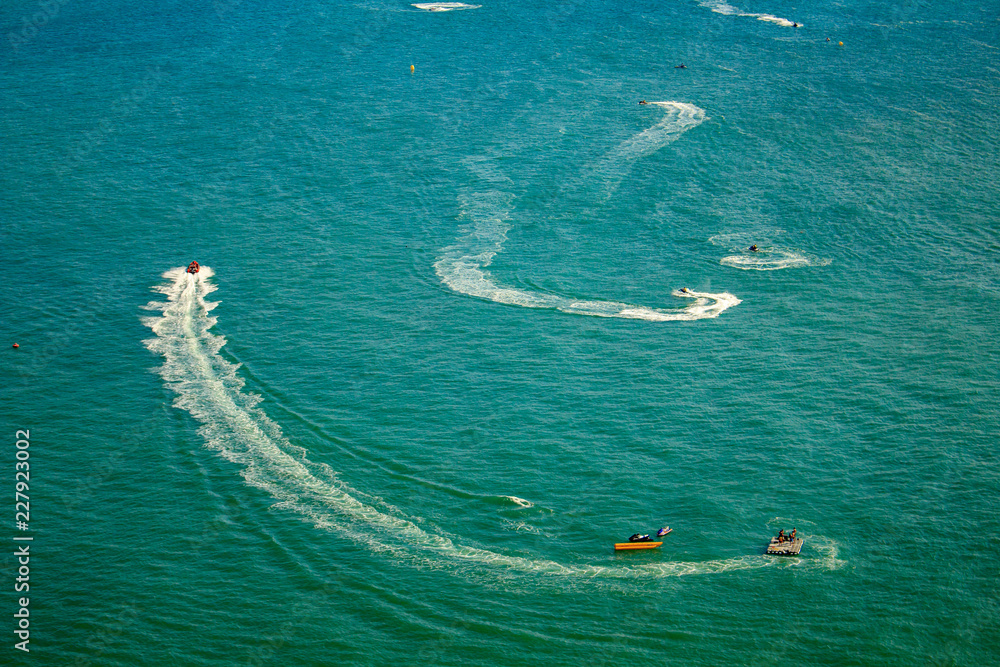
x: 684, y: 290
x: 753, y: 248
x: 681, y: 66
x: 640, y: 538
x: 643, y: 102
x: 781, y: 536
x: 193, y: 267
x: 793, y: 535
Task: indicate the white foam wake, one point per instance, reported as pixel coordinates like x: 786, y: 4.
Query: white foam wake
x: 463, y: 266
x: 209, y: 388
x: 444, y: 6
x: 721, y: 7
x: 678, y: 118
x: 768, y: 257
x: 520, y: 502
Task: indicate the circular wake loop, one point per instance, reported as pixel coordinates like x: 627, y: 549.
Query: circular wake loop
x: 769, y: 256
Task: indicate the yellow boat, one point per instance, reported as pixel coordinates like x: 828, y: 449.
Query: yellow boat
x: 627, y: 546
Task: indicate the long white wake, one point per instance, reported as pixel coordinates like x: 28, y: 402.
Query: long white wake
x: 464, y: 266
x: 721, y: 7
x: 444, y: 6
x: 678, y: 118
x: 209, y: 388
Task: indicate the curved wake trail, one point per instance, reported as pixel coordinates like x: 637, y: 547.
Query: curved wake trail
x: 208, y: 387
x: 765, y: 260
x: 769, y: 257
x: 678, y: 118
x: 463, y: 267
x: 721, y: 7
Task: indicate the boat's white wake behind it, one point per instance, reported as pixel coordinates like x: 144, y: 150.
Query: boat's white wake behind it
x: 463, y: 266
x: 768, y: 257
x: 678, y: 118
x: 209, y: 388
x: 721, y: 7
x: 444, y: 6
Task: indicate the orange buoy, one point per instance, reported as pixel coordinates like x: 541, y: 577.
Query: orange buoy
x: 16, y: 346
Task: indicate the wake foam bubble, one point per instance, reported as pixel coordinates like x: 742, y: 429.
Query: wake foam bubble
x: 765, y: 259
x: 444, y: 6
x: 768, y: 257
x: 208, y: 387
x: 721, y: 7
x: 520, y: 502
x: 523, y: 527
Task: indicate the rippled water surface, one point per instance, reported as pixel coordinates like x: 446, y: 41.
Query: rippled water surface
x: 462, y: 326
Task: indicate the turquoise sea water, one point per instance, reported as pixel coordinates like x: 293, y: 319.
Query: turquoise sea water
x: 439, y: 358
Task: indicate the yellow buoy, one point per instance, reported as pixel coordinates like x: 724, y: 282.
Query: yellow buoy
x: 840, y: 43
x: 411, y: 69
